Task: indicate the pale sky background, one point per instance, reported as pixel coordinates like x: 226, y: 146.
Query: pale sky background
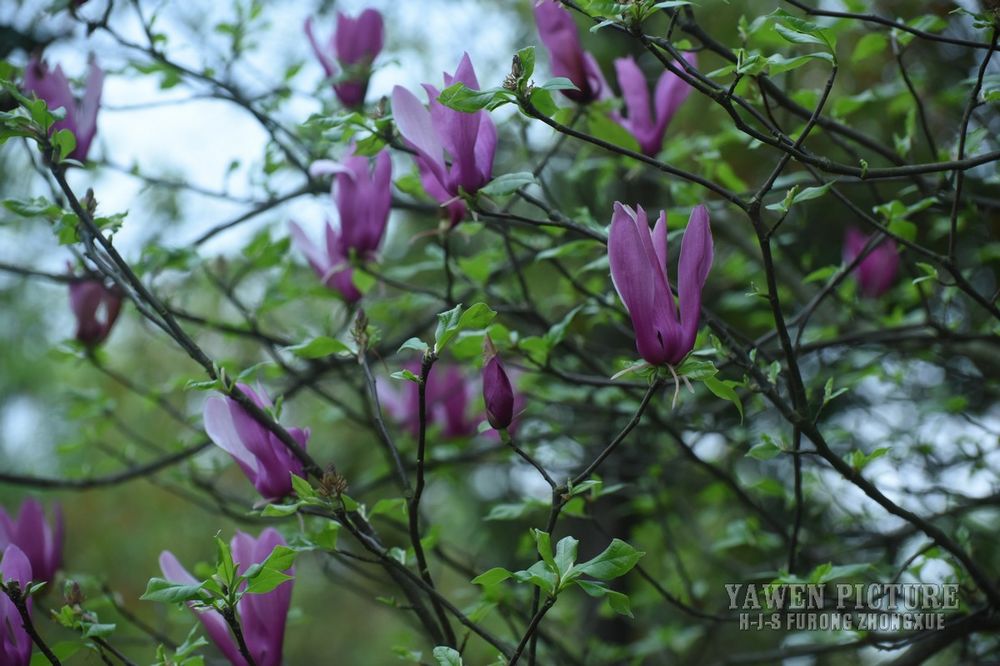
x: 198, y: 139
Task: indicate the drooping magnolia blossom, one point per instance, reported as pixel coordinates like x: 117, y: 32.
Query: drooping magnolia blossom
x: 877, y: 271
x: 31, y: 532
x: 264, y: 458
x: 449, y: 395
x: 559, y: 34
x: 15, y: 644
x: 498, y: 394
x: 262, y: 616
x: 638, y: 259
x: 96, y: 308
x: 350, y: 51
x: 53, y: 87
x: 363, y: 198
x: 469, y: 139
x: 648, y: 125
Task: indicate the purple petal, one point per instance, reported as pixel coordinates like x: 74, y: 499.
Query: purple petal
x: 696, y: 260
x: 631, y: 274
x: 15, y: 565
x: 85, y: 298
x: 53, y: 87
x: 262, y: 616
x: 486, y: 148
x: 86, y: 120
x: 497, y: 394
x: 15, y: 644
x: 854, y: 242
x: 877, y: 271
x: 215, y: 625
x: 316, y: 258
x: 358, y: 40
x: 597, y: 86
x: 381, y: 202
x: 323, y: 55
x: 415, y: 125
x: 218, y: 419
x: 671, y: 91
x: 559, y: 35
x: 635, y: 92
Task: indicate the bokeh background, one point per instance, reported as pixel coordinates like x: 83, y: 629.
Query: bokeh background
x: 180, y: 162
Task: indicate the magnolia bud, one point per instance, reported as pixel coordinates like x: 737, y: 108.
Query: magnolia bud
x: 497, y: 393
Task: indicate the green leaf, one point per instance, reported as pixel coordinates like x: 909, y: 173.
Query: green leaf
x: 415, y: 344
x: 326, y: 536
x: 826, y: 573
x: 266, y: 580
x: 302, y: 487
x: 226, y: 568
x: 99, y: 630
x: 407, y: 375
x: 778, y: 64
x: 280, y: 510
x: 538, y: 575
x: 725, y: 390
x: 320, y: 347
x: 447, y: 656
x: 869, y: 45
x: 801, y: 31
x: 828, y: 392
x: 527, y: 58
x: 616, y: 560
x: 362, y: 280
x: 492, y: 577
x: 793, y: 196
x: 37, y: 207
x: 930, y: 273
x: 565, y: 554
x: 859, y: 459
x: 514, y: 511
x: 467, y: 100
x: 64, y: 142
x: 619, y: 602
x: 281, y: 558
x: 697, y: 369
x: 388, y: 506
x: 608, y: 130
x: 454, y: 321
x: 820, y: 274
x: 543, y: 541
x: 764, y: 450
x: 559, y: 83
x: 159, y: 589
x: 508, y: 183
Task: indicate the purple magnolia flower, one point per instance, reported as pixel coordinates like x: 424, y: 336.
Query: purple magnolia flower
x: 448, y: 395
x: 558, y: 32
x: 470, y: 139
x: 639, y: 271
x: 363, y: 198
x: 262, y: 616
x: 53, y: 87
x: 354, y: 46
x: 263, y: 457
x: 877, y: 271
x: 497, y: 394
x: 649, y: 125
x: 34, y: 537
x: 15, y: 644
x: 95, y: 307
